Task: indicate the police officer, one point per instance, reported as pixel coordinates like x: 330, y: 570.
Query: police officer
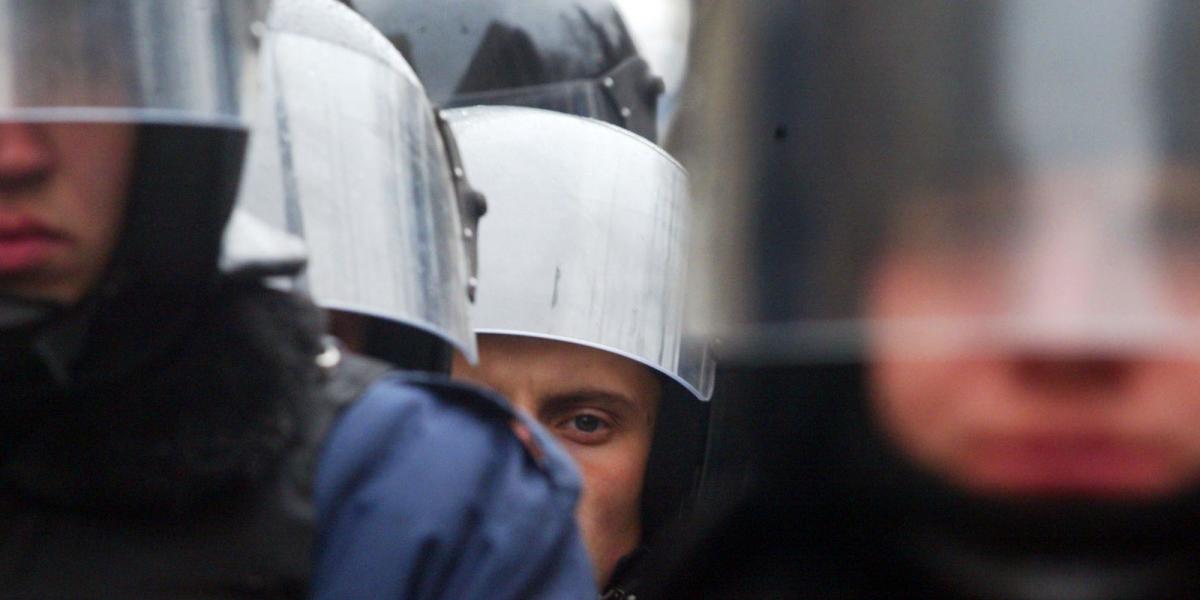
x: 572, y: 56
x: 162, y: 415
x: 580, y: 314
x: 351, y: 158
x: 155, y: 408
x: 954, y: 243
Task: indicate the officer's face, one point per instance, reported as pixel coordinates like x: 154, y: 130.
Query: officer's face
x: 62, y: 200
x: 601, y: 407
x: 1058, y: 410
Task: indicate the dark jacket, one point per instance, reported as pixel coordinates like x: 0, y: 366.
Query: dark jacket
x: 836, y: 511
x: 191, y: 475
x: 187, y: 477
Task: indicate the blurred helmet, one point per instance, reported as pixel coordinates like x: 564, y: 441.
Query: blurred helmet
x: 949, y: 180
x: 1042, y: 156
x: 572, y: 56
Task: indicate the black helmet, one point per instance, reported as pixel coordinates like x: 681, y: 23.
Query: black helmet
x: 573, y: 56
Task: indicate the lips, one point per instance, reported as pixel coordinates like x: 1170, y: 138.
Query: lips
x: 26, y: 244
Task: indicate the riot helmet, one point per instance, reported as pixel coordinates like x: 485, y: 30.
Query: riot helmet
x: 572, y: 56
x: 585, y: 244
x: 852, y: 146
x: 351, y: 157
x: 178, y: 76
x: 965, y: 220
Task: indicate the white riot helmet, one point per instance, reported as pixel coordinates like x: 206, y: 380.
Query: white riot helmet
x: 586, y: 237
x: 585, y: 243
x: 351, y: 157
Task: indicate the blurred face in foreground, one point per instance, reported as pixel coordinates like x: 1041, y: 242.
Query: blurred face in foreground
x: 62, y: 202
x: 601, y: 407
x: 1068, y: 399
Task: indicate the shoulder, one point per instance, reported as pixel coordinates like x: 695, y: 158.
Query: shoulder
x: 424, y: 490
x: 445, y: 432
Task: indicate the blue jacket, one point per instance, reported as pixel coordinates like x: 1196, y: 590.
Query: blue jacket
x: 424, y: 491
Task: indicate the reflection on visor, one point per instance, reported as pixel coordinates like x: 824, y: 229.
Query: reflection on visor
x: 970, y: 177
x: 1105, y: 257
x: 584, y: 98
x: 352, y: 160
x: 585, y: 238
x: 185, y: 62
x: 626, y: 96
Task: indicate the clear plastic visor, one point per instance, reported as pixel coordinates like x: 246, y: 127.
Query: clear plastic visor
x: 348, y: 157
x: 182, y: 62
x: 1039, y: 189
x: 585, y: 240
x: 1106, y: 257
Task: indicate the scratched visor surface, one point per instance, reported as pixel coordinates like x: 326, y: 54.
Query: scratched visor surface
x: 348, y: 157
x: 585, y: 237
x: 183, y: 62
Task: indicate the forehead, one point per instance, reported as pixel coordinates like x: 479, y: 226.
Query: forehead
x: 549, y: 367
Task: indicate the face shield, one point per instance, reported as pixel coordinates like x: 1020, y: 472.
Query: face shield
x: 180, y: 71
x: 186, y: 62
x: 585, y: 240
x: 954, y: 178
x: 350, y: 157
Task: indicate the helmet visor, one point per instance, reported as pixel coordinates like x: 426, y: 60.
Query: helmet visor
x: 183, y: 62
x: 950, y: 177
x: 349, y: 157
x: 585, y: 239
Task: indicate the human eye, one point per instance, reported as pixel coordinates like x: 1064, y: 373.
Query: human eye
x: 585, y: 427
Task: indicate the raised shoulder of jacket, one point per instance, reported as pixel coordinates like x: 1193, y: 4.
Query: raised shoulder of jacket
x: 425, y: 490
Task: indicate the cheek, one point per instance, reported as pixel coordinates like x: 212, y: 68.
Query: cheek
x: 612, y: 477
x: 919, y: 405
x: 609, y: 511
x: 1169, y: 408
x: 928, y: 406
x: 97, y: 163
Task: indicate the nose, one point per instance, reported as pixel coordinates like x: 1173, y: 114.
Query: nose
x: 26, y: 157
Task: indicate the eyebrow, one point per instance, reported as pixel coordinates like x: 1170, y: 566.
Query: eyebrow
x: 563, y: 402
